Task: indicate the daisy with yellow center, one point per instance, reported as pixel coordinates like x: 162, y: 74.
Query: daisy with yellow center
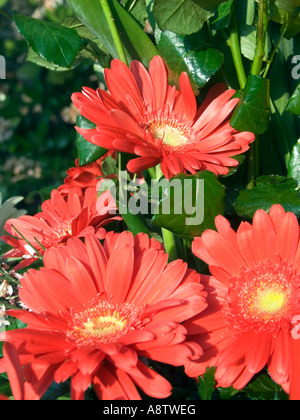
x: 145, y: 116
x: 254, y: 297
x: 99, y: 314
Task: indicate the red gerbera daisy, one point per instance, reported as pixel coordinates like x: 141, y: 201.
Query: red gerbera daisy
x: 75, y: 214
x: 145, y: 116
x: 97, y: 313
x: 83, y: 176
x: 253, y: 299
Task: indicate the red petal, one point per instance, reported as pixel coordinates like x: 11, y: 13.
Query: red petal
x: 159, y: 77
x: 119, y: 271
x: 14, y: 371
x: 258, y: 352
x: 188, y: 96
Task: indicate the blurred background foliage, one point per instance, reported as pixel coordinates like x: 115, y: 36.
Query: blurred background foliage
x: 37, y: 138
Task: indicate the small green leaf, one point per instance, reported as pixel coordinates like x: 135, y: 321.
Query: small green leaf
x: 253, y: 111
x: 269, y: 190
x: 223, y: 15
x: 294, y: 164
x: 294, y: 103
x: 137, y: 9
x: 206, y: 384
x: 184, y: 16
x: 51, y: 41
x: 190, y: 204
x: 87, y: 152
x: 8, y: 210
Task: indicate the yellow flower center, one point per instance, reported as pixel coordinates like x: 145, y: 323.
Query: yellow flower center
x: 102, y: 322
x: 166, y: 127
x: 102, y: 326
x: 170, y: 136
x: 270, y: 302
x: 265, y: 298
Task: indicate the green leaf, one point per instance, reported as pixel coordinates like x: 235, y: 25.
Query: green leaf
x: 279, y: 140
x: 56, y: 391
x: 294, y: 166
x: 184, y: 209
x: 224, y: 13
x: 289, y: 19
x: 253, y: 111
x: 137, y: 44
x: 287, y: 5
x: 51, y: 41
x: 183, y: 16
x: 193, y: 54
x: 87, y: 152
x: 92, y: 47
x: 246, y: 12
x: 9, y: 211
x: 137, y: 9
x: 294, y: 103
x: 269, y: 190
x: 264, y: 388
x: 206, y: 384
x: 39, y: 61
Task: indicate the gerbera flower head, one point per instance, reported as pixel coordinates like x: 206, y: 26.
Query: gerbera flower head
x: 98, y: 313
x: 84, y: 176
x: 64, y: 215
x: 145, y: 116
x: 253, y: 300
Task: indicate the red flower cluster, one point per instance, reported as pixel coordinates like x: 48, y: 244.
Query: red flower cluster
x: 99, y: 313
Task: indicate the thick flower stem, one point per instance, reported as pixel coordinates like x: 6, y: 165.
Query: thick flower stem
x: 168, y: 236
x: 262, y: 29
x: 256, y: 69
x: 114, y: 30
x: 234, y: 45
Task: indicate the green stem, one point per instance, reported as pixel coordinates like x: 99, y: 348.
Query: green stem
x: 6, y: 15
x: 114, y: 30
x: 23, y: 237
x: 168, y: 236
x: 263, y: 21
x: 9, y: 278
x: 270, y: 61
x: 132, y: 221
x: 262, y: 29
x: 234, y: 45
